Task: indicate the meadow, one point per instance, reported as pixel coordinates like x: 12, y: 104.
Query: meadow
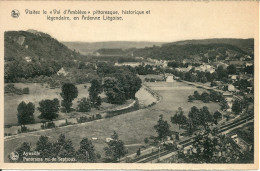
x: 40, y: 92
x: 131, y: 127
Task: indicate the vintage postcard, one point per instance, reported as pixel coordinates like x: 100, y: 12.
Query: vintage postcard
x: 129, y: 84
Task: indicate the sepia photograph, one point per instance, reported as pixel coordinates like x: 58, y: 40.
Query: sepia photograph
x: 165, y: 83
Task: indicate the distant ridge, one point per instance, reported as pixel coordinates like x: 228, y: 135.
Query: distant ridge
x: 90, y: 47
x: 241, y: 43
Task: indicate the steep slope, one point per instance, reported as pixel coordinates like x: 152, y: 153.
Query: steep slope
x: 29, y: 54
x: 19, y: 44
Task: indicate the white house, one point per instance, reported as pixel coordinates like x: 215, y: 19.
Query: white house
x: 62, y: 72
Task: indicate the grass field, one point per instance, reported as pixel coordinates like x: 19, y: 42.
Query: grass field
x: 132, y: 127
x: 38, y: 93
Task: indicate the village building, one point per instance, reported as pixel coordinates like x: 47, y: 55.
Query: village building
x: 132, y: 64
x: 28, y: 59
x: 231, y: 88
x: 62, y: 72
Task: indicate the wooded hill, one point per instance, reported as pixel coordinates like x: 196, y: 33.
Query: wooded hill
x: 28, y: 54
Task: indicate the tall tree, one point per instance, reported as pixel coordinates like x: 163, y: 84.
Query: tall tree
x: 63, y: 147
x: 116, y: 148
x: 162, y: 128
x: 86, y: 152
x: 231, y: 69
x: 237, y: 107
x: 68, y: 92
x: 44, y: 147
x: 49, y: 109
x: 84, y: 105
x: 24, y: 148
x: 217, y: 115
x: 25, y: 113
x: 179, y: 117
x: 115, y: 94
x: 94, y: 90
x: 223, y: 105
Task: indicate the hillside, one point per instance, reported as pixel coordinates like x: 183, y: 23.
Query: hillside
x: 198, y: 50
x: 246, y: 45
x: 20, y: 44
x: 28, y: 54
x: 91, y: 47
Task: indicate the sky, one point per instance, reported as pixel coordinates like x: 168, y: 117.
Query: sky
x: 168, y: 20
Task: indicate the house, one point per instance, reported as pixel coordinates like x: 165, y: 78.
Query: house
x: 62, y: 72
x: 205, y: 68
x: 243, y: 145
x: 132, y: 64
x: 108, y: 139
x: 28, y: 59
x: 231, y: 88
x: 233, y: 77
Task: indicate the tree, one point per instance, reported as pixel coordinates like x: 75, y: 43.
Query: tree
x: 179, y: 118
x: 138, y: 153
x: 146, y: 140
x: 68, y: 92
x: 162, y: 128
x: 217, y: 115
x: 204, y: 79
x: 193, y: 114
x: 86, y: 151
x: 84, y: 105
x: 25, y: 147
x: 116, y: 148
x: 204, y: 116
x: 209, y: 149
x: 231, y: 69
x: 190, y: 98
x: 63, y: 147
x: 199, y: 116
x: 49, y: 109
x: 223, y: 105
x: 44, y: 147
x: 215, y: 96
x: 205, y: 97
x: 115, y: 94
x: 25, y: 113
x: 237, y: 107
x: 196, y: 95
x: 94, y: 90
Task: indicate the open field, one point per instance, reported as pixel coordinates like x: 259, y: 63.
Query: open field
x: 38, y: 93
x: 132, y: 127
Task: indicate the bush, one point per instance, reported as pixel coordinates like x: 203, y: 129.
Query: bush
x: 98, y: 116
x: 84, y: 105
x: 83, y: 119
x: 26, y: 90
x: 24, y: 129
x: 50, y: 125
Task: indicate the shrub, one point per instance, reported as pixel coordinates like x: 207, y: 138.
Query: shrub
x: 24, y: 129
x: 50, y: 125
x: 84, y: 105
x: 98, y: 116
x: 26, y: 90
x: 83, y: 119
